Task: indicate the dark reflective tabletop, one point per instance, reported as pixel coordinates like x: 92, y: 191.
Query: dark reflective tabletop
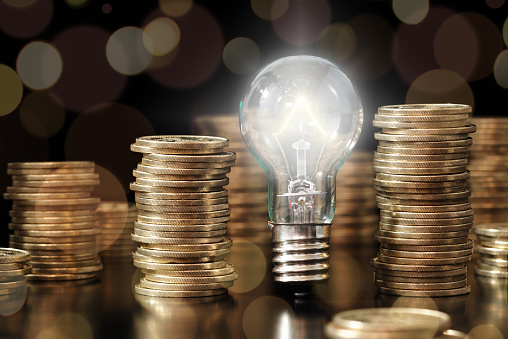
x: 255, y: 307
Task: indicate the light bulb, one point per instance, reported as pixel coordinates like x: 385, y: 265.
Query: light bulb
x: 301, y: 118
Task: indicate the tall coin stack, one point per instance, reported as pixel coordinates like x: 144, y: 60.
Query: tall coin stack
x: 423, y: 196
x: 492, y: 245
x: 248, y: 187
x: 53, y: 217
x: 182, y: 216
x: 488, y: 164
x: 116, y: 224
x: 356, y: 213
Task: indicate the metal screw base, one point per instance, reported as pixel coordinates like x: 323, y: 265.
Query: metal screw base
x: 300, y: 253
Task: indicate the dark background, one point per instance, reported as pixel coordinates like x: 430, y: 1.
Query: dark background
x: 104, y: 111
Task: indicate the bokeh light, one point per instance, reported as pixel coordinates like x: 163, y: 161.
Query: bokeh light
x: 495, y: 3
x: 372, y: 57
x: 269, y: 9
x: 26, y: 19
x: 241, y: 55
x: 501, y: 69
x: 87, y: 77
x: 103, y: 133
x: 410, y: 12
x: 440, y: 86
x: 337, y: 41
x: 109, y: 188
x: 303, y: 21
x: 107, y: 8
x: 162, y: 35
x: 129, y: 51
x: 268, y: 317
x: 415, y: 302
x: 505, y: 31
x: 42, y: 114
x: 413, y: 45
x: 468, y: 44
x: 175, y: 8
x: 250, y: 263
x: 20, y: 3
x: 198, y: 55
x: 39, y: 65
x: 11, y: 90
x: 347, y: 281
x: 71, y: 325
x: 77, y: 3
x: 485, y: 331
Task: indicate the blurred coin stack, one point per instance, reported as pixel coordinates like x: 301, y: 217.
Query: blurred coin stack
x: 53, y: 217
x: 248, y: 184
x: 422, y: 193
x: 492, y: 245
x: 13, y: 268
x: 395, y: 322
x: 356, y: 213
x: 182, y: 216
x: 115, y: 222
x: 488, y: 164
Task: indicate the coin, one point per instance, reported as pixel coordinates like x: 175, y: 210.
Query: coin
x: 182, y: 141
x: 412, y: 123
x: 418, y: 241
x: 180, y: 228
x: 408, y: 150
x: 182, y: 209
x: 181, y: 202
x: 425, y: 229
x: 426, y: 293
x: 423, y: 261
x: 51, y: 164
x: 13, y: 255
x: 422, y: 208
x: 148, y: 150
x: 154, y: 167
x: 178, y: 294
x: 222, y: 157
x: 421, y: 130
x: 425, y: 109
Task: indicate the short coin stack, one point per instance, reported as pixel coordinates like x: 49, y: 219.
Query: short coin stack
x: 488, y: 164
x: 53, y: 217
x: 356, y: 214
x: 395, y: 322
x: 182, y: 216
x: 422, y: 194
x: 116, y: 224
x: 248, y: 186
x: 492, y: 245
x: 13, y: 268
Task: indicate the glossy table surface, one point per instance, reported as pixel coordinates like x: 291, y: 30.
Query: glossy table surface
x: 255, y: 307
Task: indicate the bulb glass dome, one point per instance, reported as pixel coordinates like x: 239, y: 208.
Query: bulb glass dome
x: 301, y: 118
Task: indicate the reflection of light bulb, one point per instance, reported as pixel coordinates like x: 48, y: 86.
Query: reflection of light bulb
x: 301, y: 119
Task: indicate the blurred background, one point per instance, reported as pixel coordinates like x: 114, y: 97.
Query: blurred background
x: 81, y: 79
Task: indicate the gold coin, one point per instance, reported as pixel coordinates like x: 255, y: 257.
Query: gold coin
x: 434, y: 215
x: 463, y: 118
x: 165, y: 220
x: 58, y: 202
x: 168, y: 270
x: 46, y: 196
x: 137, y: 187
x: 419, y: 138
x: 416, y: 123
x: 181, y: 202
x: 425, y: 109
x: 178, y: 294
x: 148, y: 166
x: 64, y: 189
x: 180, y: 228
x: 431, y: 131
x: 395, y: 190
x: 423, y: 286
x: 54, y: 240
x: 436, y: 196
x: 424, y: 178
x: 179, y: 266
x: 426, y: 221
x: 426, y: 293
x: 152, y: 240
x: 188, y: 151
x: 13, y: 255
x: 165, y: 286
x: 56, y: 177
x: 211, y: 158
x: 419, y: 164
x: 466, y: 245
x: 182, y: 183
x: 418, y: 184
x: 375, y: 263
x: 421, y: 236
x: 421, y: 241
x: 149, y: 161
x: 425, y: 254
x: 182, y: 141
x: 192, y: 280
x: 55, y: 183
x: 393, y: 149
x: 183, y: 215
x: 182, y: 234
x: 182, y: 209
x: 183, y: 196
x: 418, y: 171
x: 460, y: 141
x: 423, y: 261
x: 50, y: 164
x: 424, y: 157
x: 191, y: 247
x: 182, y: 254
x: 146, y: 175
x: 425, y: 229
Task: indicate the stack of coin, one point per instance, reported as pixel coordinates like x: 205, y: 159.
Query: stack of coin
x: 356, y: 213
x: 13, y: 268
x: 182, y: 216
x: 492, y: 245
x: 116, y: 224
x: 488, y: 164
x: 248, y: 184
x: 53, y: 217
x: 423, y: 197
x: 395, y: 322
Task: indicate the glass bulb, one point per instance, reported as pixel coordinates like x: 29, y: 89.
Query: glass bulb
x: 301, y: 118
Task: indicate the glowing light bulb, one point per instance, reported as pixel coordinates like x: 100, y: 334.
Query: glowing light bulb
x: 301, y: 118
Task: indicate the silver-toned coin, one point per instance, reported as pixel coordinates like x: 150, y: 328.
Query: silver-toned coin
x: 164, y: 150
x: 424, y: 109
x: 182, y: 141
